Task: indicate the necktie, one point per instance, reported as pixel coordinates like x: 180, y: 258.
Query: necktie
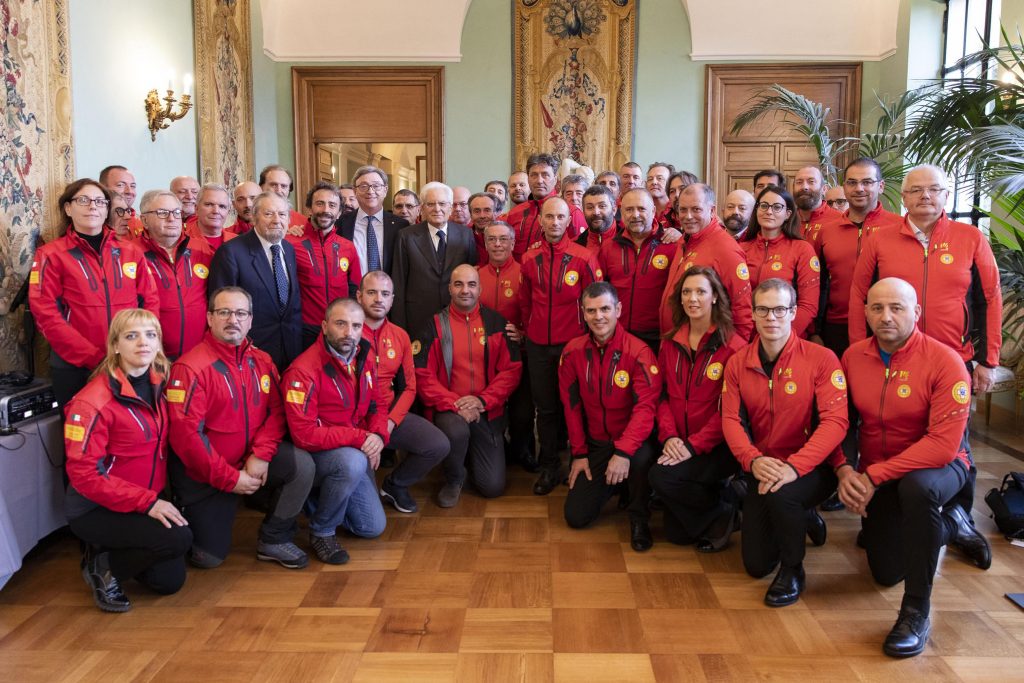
x: 441, y: 248
x: 372, y: 251
x: 279, y: 277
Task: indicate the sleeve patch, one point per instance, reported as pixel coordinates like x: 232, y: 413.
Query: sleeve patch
x: 839, y: 380
x: 297, y: 397
x: 176, y: 395
x: 961, y: 392
x: 74, y: 432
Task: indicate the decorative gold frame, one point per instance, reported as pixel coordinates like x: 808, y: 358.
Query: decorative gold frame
x: 223, y: 46
x: 552, y: 39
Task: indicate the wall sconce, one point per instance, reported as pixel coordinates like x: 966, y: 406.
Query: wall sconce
x: 160, y: 116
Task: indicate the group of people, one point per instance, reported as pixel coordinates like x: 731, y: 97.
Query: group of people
x: 740, y: 372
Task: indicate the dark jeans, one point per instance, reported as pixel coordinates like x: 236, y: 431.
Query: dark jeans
x: 211, y: 512
x: 543, y: 367
x: 484, y: 442
x: 692, y: 492
x: 424, y: 444
x: 836, y: 337
x: 140, y: 547
x: 775, y: 524
x: 588, y: 496
x: 905, y: 529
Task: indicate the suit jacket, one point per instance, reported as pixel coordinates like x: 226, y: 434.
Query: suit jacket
x: 346, y: 226
x: 243, y: 263
x: 421, y: 283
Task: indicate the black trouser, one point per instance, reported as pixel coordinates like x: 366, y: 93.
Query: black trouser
x: 521, y: 418
x: 309, y: 335
x: 67, y: 379
x: 484, y: 441
x: 543, y: 368
x: 651, y: 338
x: 424, y: 444
x: 965, y: 496
x: 905, y: 529
x: 588, y: 496
x: 211, y: 512
x: 775, y: 524
x: 836, y: 337
x: 139, y: 546
x: 692, y: 492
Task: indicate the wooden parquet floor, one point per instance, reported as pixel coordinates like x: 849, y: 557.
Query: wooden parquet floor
x: 502, y: 590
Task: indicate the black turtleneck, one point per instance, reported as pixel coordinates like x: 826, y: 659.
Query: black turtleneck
x: 95, y: 241
x: 143, y: 387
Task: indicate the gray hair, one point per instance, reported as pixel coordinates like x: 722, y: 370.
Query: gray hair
x: 366, y: 170
x: 943, y: 178
x: 150, y: 197
x: 435, y: 185
x: 212, y: 187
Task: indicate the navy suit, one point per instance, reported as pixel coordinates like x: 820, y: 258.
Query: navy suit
x: 242, y: 262
x: 346, y: 226
x: 421, y: 283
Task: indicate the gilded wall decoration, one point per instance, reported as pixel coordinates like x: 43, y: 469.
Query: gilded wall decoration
x: 36, y: 150
x: 224, y: 91
x: 573, y: 64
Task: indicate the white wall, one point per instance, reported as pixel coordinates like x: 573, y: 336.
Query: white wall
x: 120, y: 50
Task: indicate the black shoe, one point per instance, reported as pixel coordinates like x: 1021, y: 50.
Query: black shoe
x: 968, y: 540
x: 546, y: 482
x: 720, y: 532
x: 910, y: 634
x: 833, y: 504
x: 786, y: 588
x: 106, y: 591
x: 640, y: 538
x: 387, y: 458
x: 398, y: 496
x: 860, y: 540
x: 816, y: 529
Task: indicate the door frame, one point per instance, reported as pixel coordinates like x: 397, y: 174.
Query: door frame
x: 306, y: 77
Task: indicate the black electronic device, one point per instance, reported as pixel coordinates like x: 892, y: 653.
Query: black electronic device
x: 22, y: 401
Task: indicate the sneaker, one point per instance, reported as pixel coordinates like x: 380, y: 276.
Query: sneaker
x: 328, y: 550
x: 398, y: 496
x: 197, y: 557
x: 288, y: 555
x: 448, y: 496
x: 106, y: 591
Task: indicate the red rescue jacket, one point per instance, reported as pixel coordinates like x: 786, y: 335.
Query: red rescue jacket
x: 328, y: 268
x: 609, y: 393
x: 554, y: 277
x: 116, y: 443
x: 475, y: 358
x: 715, y: 248
x: 956, y: 279
x: 692, y: 388
x: 912, y: 414
x: 182, y: 287
x: 74, y: 293
x: 225, y: 406
x: 639, y: 276
x: 525, y: 220
x: 793, y: 261
x: 330, y: 403
x: 824, y: 213
x: 396, y: 376
x: 499, y: 290
x: 798, y: 415
x: 592, y: 240
x: 196, y: 236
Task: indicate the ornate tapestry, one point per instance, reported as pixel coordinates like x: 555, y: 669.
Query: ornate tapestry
x: 224, y: 91
x: 36, y: 152
x: 573, y: 63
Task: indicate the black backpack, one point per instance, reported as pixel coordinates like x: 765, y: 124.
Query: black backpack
x: 1007, y: 504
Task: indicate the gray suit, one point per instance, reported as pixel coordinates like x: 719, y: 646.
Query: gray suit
x: 421, y: 283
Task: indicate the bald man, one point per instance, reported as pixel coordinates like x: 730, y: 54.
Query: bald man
x: 736, y: 212
x: 186, y: 189
x: 244, y: 199
x: 906, y: 459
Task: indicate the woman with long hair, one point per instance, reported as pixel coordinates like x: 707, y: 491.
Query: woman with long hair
x: 695, y: 462
x: 80, y: 280
x: 775, y: 247
x: 115, y: 436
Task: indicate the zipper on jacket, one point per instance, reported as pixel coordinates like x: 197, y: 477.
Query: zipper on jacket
x: 881, y: 406
x: 924, y: 293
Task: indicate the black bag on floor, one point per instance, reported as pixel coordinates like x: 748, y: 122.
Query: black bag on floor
x: 1007, y: 504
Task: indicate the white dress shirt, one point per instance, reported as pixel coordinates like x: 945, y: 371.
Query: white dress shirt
x: 270, y: 255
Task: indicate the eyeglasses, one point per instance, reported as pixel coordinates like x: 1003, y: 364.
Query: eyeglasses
x: 497, y: 240
x: 225, y: 313
x: 836, y: 203
x: 774, y: 208
x: 777, y: 311
x: 867, y: 183
x: 919, y: 191
x: 366, y: 187
x: 123, y: 211
x: 98, y: 202
x: 162, y: 214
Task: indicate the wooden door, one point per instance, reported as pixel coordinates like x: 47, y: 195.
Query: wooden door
x: 366, y: 104
x: 730, y: 161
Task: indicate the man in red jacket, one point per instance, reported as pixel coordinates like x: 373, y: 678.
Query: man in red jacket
x: 525, y: 218
x: 423, y: 443
x: 332, y: 402
x: 555, y: 273
x: 244, y: 201
x: 784, y: 415
x: 227, y: 430
x: 212, y: 209
x: 609, y: 384
x: 466, y: 368
x: 180, y: 270
x: 809, y: 194
x: 599, y: 205
x: 911, y: 399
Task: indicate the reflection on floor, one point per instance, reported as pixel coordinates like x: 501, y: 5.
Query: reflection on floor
x: 502, y: 590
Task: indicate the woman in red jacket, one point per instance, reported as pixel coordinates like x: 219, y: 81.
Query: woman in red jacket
x: 690, y: 475
x: 775, y: 247
x: 115, y: 436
